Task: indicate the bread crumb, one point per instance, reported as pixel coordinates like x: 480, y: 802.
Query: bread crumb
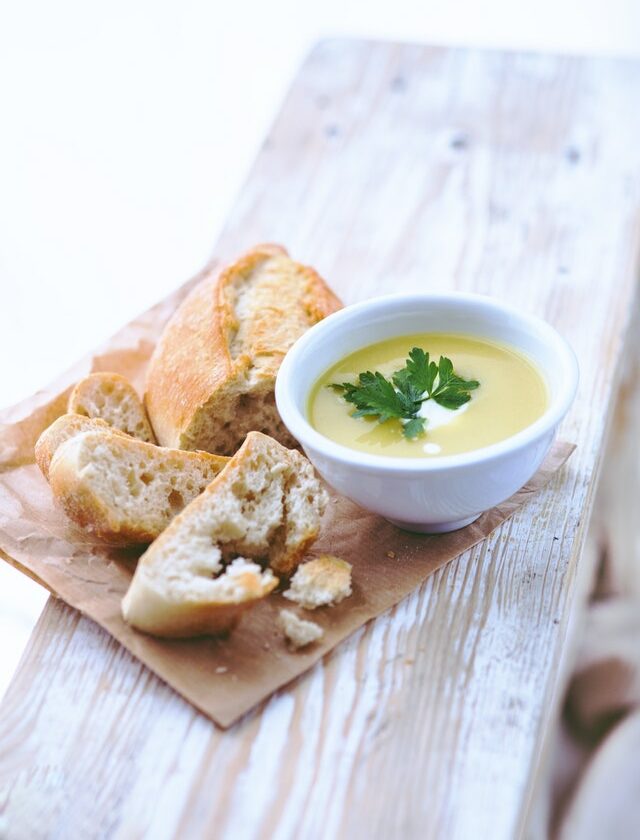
x: 298, y: 631
x: 320, y: 582
x: 391, y: 555
x: 221, y: 670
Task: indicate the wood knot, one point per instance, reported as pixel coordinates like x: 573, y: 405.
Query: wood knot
x: 459, y: 142
x: 572, y: 154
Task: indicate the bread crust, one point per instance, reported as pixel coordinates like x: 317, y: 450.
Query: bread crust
x: 212, y: 355
x: 144, y: 609
x: 65, y: 427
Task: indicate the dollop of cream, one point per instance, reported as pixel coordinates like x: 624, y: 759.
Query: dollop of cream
x: 438, y: 415
x: 432, y: 449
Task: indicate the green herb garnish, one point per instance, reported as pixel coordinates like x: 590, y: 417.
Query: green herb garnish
x: 419, y: 380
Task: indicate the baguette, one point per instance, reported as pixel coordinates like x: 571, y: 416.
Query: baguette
x: 112, y: 398
x: 211, y: 378
x: 125, y: 491
x: 65, y: 427
x: 265, y: 505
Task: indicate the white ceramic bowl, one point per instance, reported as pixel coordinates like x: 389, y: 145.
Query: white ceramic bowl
x: 438, y: 494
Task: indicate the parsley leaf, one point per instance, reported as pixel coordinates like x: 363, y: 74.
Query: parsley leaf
x: 373, y: 395
x: 452, y: 390
x: 418, y: 370
x: 414, y: 428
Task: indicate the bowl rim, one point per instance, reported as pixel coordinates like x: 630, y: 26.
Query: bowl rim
x: 303, y: 431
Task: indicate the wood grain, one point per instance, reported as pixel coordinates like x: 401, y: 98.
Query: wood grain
x: 390, y: 167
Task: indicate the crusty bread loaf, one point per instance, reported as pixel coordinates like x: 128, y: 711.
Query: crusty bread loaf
x: 265, y: 505
x: 320, y: 582
x: 211, y: 378
x: 298, y: 631
x: 112, y: 398
x: 123, y: 490
x: 65, y: 427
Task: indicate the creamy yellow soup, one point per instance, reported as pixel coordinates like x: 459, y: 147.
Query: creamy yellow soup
x: 512, y: 394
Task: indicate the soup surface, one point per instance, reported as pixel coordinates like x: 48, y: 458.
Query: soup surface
x: 511, y: 395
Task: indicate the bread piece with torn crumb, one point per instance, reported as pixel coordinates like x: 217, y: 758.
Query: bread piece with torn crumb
x: 265, y: 506
x: 185, y: 591
x: 123, y: 490
x: 320, y: 582
x: 299, y: 631
x: 112, y: 398
x: 65, y: 427
x: 212, y: 375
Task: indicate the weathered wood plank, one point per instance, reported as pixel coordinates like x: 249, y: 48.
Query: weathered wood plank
x: 390, y: 167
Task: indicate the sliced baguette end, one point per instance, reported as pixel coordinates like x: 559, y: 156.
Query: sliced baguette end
x: 149, y: 606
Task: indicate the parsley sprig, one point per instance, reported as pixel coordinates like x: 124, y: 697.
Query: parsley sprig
x: 421, y: 379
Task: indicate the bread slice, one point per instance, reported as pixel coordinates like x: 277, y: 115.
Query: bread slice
x: 125, y: 491
x: 265, y: 505
x: 113, y: 399
x: 211, y: 378
x: 198, y: 597
x: 299, y: 631
x: 320, y: 582
x: 65, y: 427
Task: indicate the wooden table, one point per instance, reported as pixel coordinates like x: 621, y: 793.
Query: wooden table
x: 390, y: 167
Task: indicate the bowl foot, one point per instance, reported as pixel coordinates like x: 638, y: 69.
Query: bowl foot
x: 434, y: 527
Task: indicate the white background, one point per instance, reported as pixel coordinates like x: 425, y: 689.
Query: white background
x: 127, y: 128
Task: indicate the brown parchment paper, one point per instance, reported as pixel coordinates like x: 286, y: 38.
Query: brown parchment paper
x: 224, y: 678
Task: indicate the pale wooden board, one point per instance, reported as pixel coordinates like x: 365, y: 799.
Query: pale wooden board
x: 390, y: 167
